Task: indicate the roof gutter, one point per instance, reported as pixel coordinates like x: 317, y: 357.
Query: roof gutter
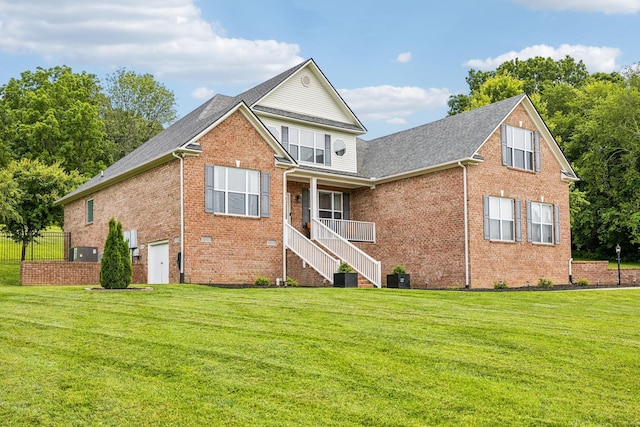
x: 156, y: 161
x: 435, y: 168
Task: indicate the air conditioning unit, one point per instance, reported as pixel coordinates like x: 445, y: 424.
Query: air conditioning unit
x: 83, y: 254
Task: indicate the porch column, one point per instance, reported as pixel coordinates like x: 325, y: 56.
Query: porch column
x: 313, y: 205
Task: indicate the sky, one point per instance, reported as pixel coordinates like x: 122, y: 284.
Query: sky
x: 395, y: 63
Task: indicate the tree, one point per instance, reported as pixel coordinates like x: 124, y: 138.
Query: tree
x: 52, y: 115
x: 8, y: 193
x: 606, y: 151
x: 137, y: 108
x: 535, y: 74
x: 494, y: 89
x: 35, y: 188
x: 115, y: 268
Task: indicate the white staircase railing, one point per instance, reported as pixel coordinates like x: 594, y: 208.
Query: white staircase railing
x: 359, y: 260
x: 354, y: 231
x: 311, y: 253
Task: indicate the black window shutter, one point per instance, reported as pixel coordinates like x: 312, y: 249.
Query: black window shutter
x: 327, y: 150
x: 487, y: 222
x: 556, y: 223
x: 346, y: 210
x: 518, y: 221
x: 285, y: 138
x: 306, y: 212
x: 529, y: 223
x: 208, y: 188
x: 537, y: 148
x: 265, y: 184
x: 505, y: 150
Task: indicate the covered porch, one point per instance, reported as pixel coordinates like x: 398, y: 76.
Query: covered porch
x: 319, y: 227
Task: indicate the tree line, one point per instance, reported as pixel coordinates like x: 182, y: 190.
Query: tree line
x: 59, y: 128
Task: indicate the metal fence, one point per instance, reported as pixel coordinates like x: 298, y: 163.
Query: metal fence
x: 51, y: 246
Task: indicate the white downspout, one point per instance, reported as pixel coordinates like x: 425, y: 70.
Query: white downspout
x: 181, y: 157
x: 285, y: 221
x: 466, y: 226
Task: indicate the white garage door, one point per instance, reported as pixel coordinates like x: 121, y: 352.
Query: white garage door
x: 158, y: 271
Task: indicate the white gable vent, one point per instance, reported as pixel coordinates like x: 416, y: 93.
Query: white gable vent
x: 306, y: 80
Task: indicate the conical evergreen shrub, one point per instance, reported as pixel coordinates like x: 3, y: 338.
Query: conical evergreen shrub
x: 115, y: 271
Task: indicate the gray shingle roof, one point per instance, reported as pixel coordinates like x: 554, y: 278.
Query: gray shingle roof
x: 442, y: 142
x: 184, y: 130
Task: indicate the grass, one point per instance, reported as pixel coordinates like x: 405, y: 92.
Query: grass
x: 193, y: 355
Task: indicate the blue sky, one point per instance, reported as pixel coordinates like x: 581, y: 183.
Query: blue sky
x: 395, y: 63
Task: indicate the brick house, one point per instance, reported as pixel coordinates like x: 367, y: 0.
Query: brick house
x: 277, y: 182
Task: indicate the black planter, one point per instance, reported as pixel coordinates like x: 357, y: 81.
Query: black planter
x: 400, y: 281
x: 345, y: 280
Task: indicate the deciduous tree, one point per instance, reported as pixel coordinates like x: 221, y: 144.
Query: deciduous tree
x: 35, y: 188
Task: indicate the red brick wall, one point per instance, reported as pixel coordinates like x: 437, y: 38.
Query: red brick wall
x: 149, y: 202
x: 68, y: 273
x: 599, y: 273
x: 419, y: 224
x: 241, y: 248
x: 518, y: 262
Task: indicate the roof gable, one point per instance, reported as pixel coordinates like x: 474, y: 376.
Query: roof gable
x: 307, y: 95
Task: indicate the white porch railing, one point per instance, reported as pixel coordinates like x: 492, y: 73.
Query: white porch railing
x: 311, y: 253
x: 359, y: 260
x: 354, y: 231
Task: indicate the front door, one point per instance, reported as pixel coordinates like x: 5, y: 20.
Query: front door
x: 158, y: 268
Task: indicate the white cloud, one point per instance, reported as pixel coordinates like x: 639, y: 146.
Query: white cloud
x: 603, y: 6
x: 393, y: 104
x: 202, y: 93
x: 596, y: 59
x: 168, y: 38
x: 404, y: 57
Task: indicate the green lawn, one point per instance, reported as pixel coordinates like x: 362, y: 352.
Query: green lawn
x: 193, y: 355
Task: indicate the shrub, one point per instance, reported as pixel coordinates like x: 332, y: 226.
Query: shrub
x: 345, y: 268
x: 291, y: 282
x: 262, y: 281
x: 115, y: 269
x: 582, y: 282
x: 500, y: 284
x: 399, y: 269
x: 545, y: 283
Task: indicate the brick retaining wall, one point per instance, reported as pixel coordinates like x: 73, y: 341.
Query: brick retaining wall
x: 599, y: 273
x: 67, y: 273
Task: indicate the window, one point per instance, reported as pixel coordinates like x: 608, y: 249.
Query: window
x: 89, y: 211
x: 520, y: 147
x: 235, y: 191
x: 543, y: 223
x: 330, y: 205
x: 502, y: 219
x: 307, y: 146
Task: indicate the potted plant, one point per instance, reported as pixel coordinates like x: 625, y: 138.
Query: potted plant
x: 399, y: 278
x: 345, y: 277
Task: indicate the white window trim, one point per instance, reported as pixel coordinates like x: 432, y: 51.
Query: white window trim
x: 529, y: 134
x: 535, y: 205
x: 217, y: 189
x: 493, y: 217
x: 318, y: 145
